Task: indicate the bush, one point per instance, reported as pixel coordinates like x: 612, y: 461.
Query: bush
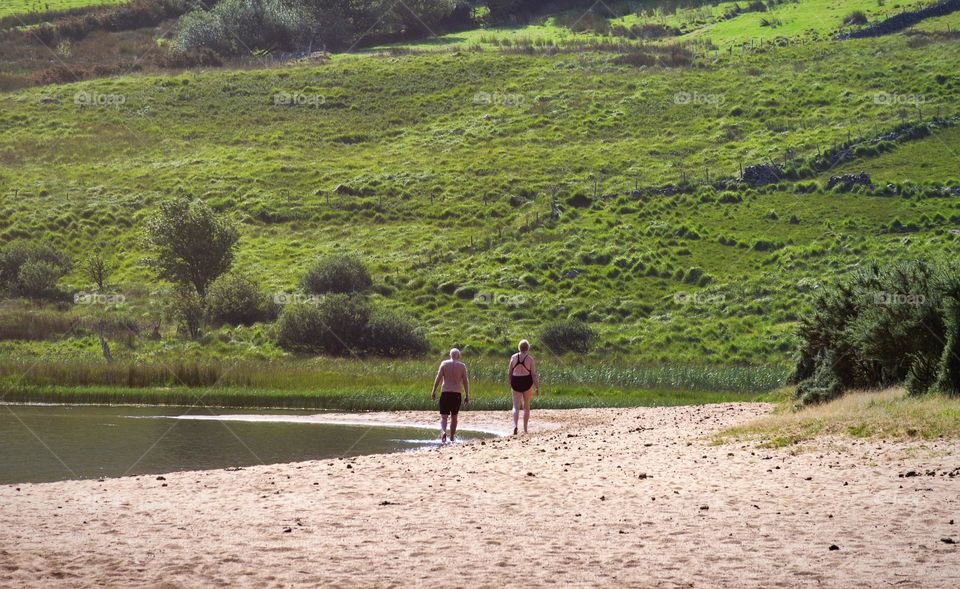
x: 857, y: 17
x: 336, y: 326
x: 235, y: 299
x: 337, y: 274
x: 883, y: 327
x: 390, y: 334
x: 569, y: 335
x: 31, y: 269
x: 236, y: 27
x: 921, y: 375
x: 344, y: 325
x: 187, y: 310
x: 948, y: 370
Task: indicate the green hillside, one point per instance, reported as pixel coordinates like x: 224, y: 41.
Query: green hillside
x: 12, y: 7
x: 440, y: 164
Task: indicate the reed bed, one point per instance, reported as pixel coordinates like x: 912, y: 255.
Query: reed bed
x: 344, y: 374
x: 355, y: 399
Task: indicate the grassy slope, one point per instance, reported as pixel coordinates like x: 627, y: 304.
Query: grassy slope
x: 436, y: 168
x: 27, y: 6
x: 806, y: 19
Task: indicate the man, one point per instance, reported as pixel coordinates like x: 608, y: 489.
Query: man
x: 453, y: 375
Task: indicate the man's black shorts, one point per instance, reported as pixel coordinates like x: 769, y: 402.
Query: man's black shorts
x: 449, y: 403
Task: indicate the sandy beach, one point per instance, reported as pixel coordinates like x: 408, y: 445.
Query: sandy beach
x: 632, y: 497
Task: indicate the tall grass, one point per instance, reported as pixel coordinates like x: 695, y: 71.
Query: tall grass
x: 343, y: 374
x: 352, y: 399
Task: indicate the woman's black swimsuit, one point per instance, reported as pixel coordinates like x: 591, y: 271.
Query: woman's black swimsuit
x: 521, y: 382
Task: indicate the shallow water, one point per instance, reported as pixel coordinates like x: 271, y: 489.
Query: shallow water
x: 59, y: 442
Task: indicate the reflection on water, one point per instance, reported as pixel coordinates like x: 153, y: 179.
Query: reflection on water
x: 51, y: 443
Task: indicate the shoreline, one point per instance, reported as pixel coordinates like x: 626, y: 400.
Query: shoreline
x: 595, y: 497
x: 398, y: 419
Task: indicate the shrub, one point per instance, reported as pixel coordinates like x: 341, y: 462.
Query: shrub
x: 569, y: 335
x: 235, y: 27
x: 823, y: 385
x: 236, y: 299
x: 31, y: 269
x: 948, y: 370
x: 921, y: 375
x: 762, y: 245
x: 390, y: 334
x: 336, y: 326
x: 857, y: 17
x: 337, y: 274
x: 882, y: 327
x: 38, y: 279
x: 186, y: 308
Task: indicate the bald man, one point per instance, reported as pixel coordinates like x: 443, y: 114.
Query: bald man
x: 453, y: 375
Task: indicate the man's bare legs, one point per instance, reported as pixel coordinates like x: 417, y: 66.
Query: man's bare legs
x: 453, y: 427
x: 443, y: 428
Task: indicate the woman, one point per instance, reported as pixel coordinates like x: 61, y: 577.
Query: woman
x: 523, y: 380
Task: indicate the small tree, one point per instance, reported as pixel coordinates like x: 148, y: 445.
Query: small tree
x: 98, y: 270
x: 192, y: 244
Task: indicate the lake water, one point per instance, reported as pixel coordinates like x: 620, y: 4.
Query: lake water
x: 56, y: 442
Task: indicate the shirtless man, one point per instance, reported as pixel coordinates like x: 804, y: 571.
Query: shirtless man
x: 453, y: 375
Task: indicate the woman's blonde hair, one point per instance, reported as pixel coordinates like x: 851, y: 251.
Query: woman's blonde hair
x: 524, y: 345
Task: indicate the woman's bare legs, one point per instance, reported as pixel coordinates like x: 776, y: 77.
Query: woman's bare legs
x: 527, y: 397
x: 517, y: 402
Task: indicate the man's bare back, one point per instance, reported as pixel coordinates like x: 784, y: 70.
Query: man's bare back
x: 454, y: 375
